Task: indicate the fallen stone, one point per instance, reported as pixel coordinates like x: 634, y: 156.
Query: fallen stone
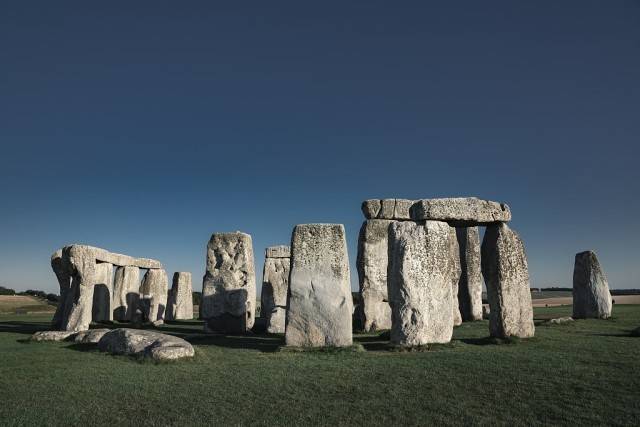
x: 180, y: 299
x: 92, y: 336
x: 506, y: 273
x: 421, y: 271
x: 275, y: 284
x: 126, y: 293
x: 52, y: 335
x: 151, y: 344
x: 461, y: 211
x: 591, y: 296
x: 229, y: 284
x: 560, y: 320
x: 319, y: 312
x: 470, y: 284
x: 153, y: 295
x: 373, y: 254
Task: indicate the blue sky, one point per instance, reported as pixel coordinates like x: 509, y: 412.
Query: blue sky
x: 143, y: 128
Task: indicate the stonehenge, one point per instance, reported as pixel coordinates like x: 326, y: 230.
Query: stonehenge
x: 84, y: 275
x: 153, y: 295
x: 504, y: 266
x: 229, y: 284
x: 591, y: 296
x: 126, y: 293
x: 461, y: 211
x: 180, y: 300
x: 320, y: 306
x: 143, y: 343
x: 275, y: 284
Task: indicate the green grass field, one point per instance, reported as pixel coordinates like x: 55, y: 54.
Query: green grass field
x: 583, y: 373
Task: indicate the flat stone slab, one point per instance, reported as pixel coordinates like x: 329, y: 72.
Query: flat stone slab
x: 281, y: 251
x: 51, y: 335
x: 461, y: 211
x: 92, y: 336
x: 151, y: 344
x: 398, y: 209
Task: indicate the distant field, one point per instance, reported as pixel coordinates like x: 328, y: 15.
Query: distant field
x: 24, y: 304
x: 582, y: 373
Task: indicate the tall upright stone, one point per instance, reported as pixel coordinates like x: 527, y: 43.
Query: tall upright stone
x: 153, y: 295
x: 591, y: 296
x: 319, y: 311
x: 62, y: 271
x: 229, y: 284
x: 373, y: 254
x: 102, y: 310
x: 506, y: 274
x: 456, y: 272
x: 470, y: 284
x: 126, y: 293
x: 422, y: 269
x: 180, y: 300
x: 275, y: 284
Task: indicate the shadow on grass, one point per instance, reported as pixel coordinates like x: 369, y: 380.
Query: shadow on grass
x: 19, y: 327
x: 84, y: 347
x: 263, y: 343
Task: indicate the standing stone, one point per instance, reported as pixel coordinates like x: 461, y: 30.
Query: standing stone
x: 456, y: 272
x: 506, y: 274
x: 319, y: 311
x: 180, y: 301
x: 470, y: 285
x: 126, y: 293
x: 275, y: 284
x: 422, y: 269
x: 61, y: 269
x: 591, y: 296
x: 102, y: 310
x: 373, y: 254
x: 229, y: 284
x: 153, y: 295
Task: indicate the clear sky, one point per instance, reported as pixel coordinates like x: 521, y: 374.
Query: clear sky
x: 143, y: 127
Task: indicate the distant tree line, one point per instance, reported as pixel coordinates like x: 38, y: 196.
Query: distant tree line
x: 30, y: 292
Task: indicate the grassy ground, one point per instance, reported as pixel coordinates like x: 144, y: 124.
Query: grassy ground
x: 24, y: 304
x: 583, y: 373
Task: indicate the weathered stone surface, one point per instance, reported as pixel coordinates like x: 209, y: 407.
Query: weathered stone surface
x: 92, y: 336
x: 319, y: 312
x: 78, y: 269
x: 560, y: 320
x: 387, y: 209
x: 275, y: 284
x: 145, y: 343
x: 402, y: 209
x: 371, y: 208
x: 180, y: 301
x: 456, y: 272
x: 461, y: 211
x: 126, y: 293
x: 153, y: 295
x: 470, y: 284
x: 421, y: 270
x: 373, y: 254
x: 591, y: 296
x: 281, y: 251
x: 506, y: 274
x: 52, y: 335
x: 229, y: 284
x: 102, y: 310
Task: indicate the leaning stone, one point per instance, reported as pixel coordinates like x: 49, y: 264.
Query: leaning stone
x: 229, y: 284
x: 52, y: 336
x: 126, y: 293
x: 319, y: 312
x: 506, y: 273
x: 371, y: 208
x: 591, y: 296
x: 373, y: 254
x: 102, y: 310
x: 153, y: 295
x: 421, y: 272
x: 92, y: 336
x: 180, y: 300
x: 275, y: 284
x: 145, y: 343
x: 470, y: 285
x: 461, y: 211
